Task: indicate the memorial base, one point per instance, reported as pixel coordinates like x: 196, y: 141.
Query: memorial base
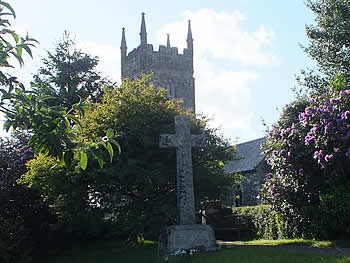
x: 183, y: 237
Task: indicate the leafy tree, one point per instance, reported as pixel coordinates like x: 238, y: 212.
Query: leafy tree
x: 50, y: 115
x: 329, y: 43
x: 11, y: 45
x: 136, y: 190
x: 72, y: 74
x: 23, y: 217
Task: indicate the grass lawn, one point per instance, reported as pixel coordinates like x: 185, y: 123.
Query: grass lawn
x: 295, y: 242
x: 113, y: 252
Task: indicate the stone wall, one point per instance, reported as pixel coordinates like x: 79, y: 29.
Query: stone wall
x: 251, y: 185
x: 171, y: 70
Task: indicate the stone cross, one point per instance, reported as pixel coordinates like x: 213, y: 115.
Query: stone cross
x: 183, y: 141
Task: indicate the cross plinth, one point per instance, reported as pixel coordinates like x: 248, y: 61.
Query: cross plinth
x: 183, y: 141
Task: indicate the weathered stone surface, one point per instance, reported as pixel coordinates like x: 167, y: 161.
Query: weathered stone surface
x: 171, y: 70
x: 183, y: 141
x: 187, y: 234
x: 183, y: 237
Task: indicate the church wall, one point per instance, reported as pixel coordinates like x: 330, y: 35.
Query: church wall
x: 251, y: 185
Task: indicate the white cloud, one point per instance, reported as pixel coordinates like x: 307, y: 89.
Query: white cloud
x: 222, y: 47
x: 109, y: 56
x: 221, y: 35
x: 226, y: 96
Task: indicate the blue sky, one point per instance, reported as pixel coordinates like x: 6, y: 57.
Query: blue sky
x: 246, y: 51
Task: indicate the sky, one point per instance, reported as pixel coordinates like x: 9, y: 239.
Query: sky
x: 246, y: 52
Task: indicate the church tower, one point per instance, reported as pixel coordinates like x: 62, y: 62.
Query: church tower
x: 171, y: 70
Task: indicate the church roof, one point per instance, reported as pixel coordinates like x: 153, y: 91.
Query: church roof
x: 248, y: 156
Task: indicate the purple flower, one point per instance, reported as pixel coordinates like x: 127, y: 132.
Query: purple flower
x: 308, y: 111
x: 327, y: 127
x: 309, y: 138
x: 336, y: 100
x: 318, y: 154
x: 345, y: 115
x: 328, y: 157
x: 314, y: 128
x: 337, y: 150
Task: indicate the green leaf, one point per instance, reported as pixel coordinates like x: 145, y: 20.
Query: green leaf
x: 19, y: 58
x: 19, y: 50
x: 116, y: 144
x: 100, y: 160
x: 68, y: 157
x: 15, y: 36
x: 27, y: 49
x: 110, y: 151
x: 97, y: 156
x: 83, y: 160
x: 9, y: 7
x: 110, y: 133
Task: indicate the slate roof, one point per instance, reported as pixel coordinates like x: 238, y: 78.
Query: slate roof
x: 249, y: 155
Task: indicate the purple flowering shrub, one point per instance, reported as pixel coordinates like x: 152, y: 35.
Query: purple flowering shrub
x: 329, y: 128
x: 24, y: 219
x: 308, y: 150
x: 14, y: 154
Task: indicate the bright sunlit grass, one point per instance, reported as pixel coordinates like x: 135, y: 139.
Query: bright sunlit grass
x: 296, y: 242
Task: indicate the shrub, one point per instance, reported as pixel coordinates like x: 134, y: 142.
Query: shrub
x: 308, y: 150
x: 24, y: 219
x: 263, y: 222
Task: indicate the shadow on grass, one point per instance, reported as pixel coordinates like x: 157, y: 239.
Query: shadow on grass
x: 114, y: 251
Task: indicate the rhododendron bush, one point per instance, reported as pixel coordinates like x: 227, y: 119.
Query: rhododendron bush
x: 308, y: 150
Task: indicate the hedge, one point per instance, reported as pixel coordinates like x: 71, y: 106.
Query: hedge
x: 263, y: 222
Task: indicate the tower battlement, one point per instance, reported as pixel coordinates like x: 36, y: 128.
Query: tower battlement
x: 171, y: 69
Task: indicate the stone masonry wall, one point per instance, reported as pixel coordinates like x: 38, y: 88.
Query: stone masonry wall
x: 171, y: 70
x: 251, y: 185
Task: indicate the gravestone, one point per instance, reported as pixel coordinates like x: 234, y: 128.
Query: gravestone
x: 186, y: 234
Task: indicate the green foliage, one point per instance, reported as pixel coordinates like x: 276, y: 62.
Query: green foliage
x: 53, y: 128
x: 69, y: 195
x: 72, y: 74
x: 337, y: 84
x: 24, y: 225
x: 24, y: 218
x: 264, y: 222
x: 146, y: 173
x: 334, y: 212
x: 11, y: 44
x: 308, y: 150
x: 136, y: 190
x: 329, y: 43
x: 51, y: 115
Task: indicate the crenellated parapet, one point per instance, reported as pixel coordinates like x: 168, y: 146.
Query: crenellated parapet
x: 171, y: 70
